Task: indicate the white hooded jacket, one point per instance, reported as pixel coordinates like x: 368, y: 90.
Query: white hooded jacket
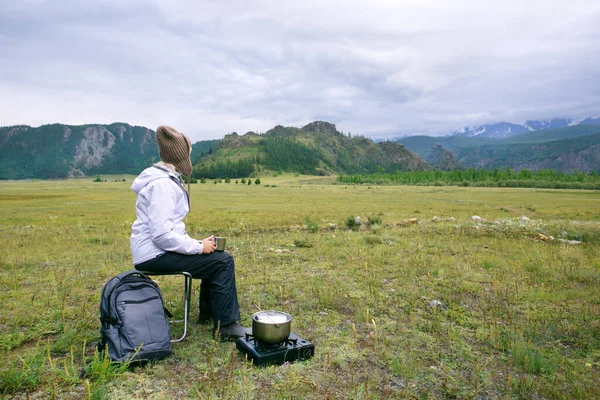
x: 161, y: 206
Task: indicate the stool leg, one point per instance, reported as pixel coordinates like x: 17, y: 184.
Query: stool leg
x: 187, y: 294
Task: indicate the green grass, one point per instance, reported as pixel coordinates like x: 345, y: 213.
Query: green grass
x: 517, y: 316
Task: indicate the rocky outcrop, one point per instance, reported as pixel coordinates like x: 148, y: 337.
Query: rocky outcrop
x: 148, y: 140
x: 580, y: 153
x: 442, y: 159
x: 399, y: 155
x: 12, y: 131
x: 587, y: 160
x: 67, y: 133
x: 320, y: 127
x: 95, y: 146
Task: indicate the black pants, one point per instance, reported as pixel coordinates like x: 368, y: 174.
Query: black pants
x: 218, y: 293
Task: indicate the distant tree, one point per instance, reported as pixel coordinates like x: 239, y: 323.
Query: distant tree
x: 249, y: 181
x: 243, y: 181
x: 257, y: 181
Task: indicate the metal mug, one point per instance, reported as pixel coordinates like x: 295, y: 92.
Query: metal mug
x: 220, y: 241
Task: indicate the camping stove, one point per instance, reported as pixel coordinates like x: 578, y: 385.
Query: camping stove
x: 292, y: 349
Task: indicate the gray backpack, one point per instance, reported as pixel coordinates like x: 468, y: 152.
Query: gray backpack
x: 134, y: 325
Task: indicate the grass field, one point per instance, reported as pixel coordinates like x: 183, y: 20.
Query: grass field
x: 443, y: 307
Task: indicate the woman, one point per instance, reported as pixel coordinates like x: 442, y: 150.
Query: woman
x: 159, y: 242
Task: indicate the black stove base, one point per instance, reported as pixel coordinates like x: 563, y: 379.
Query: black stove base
x: 294, y: 348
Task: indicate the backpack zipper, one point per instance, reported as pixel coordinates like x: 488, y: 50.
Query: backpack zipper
x: 124, y: 303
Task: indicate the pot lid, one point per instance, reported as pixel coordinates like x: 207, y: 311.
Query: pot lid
x: 271, y: 317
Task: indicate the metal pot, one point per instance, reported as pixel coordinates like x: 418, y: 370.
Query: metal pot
x: 271, y: 327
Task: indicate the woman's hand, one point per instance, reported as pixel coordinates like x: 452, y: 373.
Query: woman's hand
x: 209, y: 245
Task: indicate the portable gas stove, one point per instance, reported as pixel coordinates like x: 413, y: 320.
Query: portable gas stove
x: 292, y: 349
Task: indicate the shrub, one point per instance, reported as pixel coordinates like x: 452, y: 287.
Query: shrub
x: 243, y: 181
x: 257, y: 181
x: 374, y: 220
x: 351, y: 223
x: 311, y: 226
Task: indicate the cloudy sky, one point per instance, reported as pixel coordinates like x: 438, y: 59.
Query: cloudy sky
x: 377, y: 68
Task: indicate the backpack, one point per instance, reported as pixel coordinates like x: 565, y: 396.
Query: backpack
x: 134, y: 325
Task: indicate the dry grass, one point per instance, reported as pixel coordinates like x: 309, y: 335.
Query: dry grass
x: 427, y: 309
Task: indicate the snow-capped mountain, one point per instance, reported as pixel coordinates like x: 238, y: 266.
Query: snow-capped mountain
x: 499, y: 130
x: 549, y: 124
x: 506, y: 129
x: 591, y: 121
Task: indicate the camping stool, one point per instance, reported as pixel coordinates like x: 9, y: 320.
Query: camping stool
x: 187, y: 294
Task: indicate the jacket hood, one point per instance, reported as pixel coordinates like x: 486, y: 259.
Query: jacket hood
x: 150, y: 175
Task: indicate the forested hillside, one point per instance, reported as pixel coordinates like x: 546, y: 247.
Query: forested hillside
x: 567, y: 155
x: 66, y: 151
x: 61, y: 151
x: 316, y: 149
x: 563, y: 149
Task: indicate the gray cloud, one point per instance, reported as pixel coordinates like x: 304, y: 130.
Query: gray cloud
x: 378, y: 68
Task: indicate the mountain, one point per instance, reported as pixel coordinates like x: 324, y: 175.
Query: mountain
x: 555, y: 134
x: 531, y: 149
x: 499, y: 130
x: 580, y: 153
x: 506, y: 129
x: 61, y: 151
x: 591, y: 121
x: 422, y: 145
x: 549, y: 124
x: 442, y: 159
x: 199, y: 149
x: 315, y: 149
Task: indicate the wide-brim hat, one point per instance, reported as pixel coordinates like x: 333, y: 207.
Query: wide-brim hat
x: 174, y: 148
